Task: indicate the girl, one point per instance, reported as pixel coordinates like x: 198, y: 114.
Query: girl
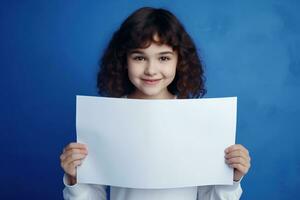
x: 151, y: 56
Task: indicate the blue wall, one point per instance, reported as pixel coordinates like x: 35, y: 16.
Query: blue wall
x: 49, y: 52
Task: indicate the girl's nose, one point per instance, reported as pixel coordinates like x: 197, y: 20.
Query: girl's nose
x: 150, y: 69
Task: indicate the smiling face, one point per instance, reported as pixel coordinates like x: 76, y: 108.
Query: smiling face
x: 151, y: 70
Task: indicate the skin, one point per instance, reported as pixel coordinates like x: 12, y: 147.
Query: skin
x: 157, y: 62
x: 152, y: 63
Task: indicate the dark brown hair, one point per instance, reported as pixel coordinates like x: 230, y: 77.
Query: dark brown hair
x: 138, y: 31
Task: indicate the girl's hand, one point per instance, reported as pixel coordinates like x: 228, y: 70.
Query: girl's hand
x: 72, y: 156
x: 238, y: 158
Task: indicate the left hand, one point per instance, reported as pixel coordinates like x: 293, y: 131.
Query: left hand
x: 237, y: 157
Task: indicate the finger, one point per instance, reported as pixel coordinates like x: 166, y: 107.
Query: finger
x: 238, y: 153
x: 73, y: 157
x: 238, y: 160
x: 236, y: 147
x: 73, y: 151
x: 75, y: 145
x: 70, y: 168
x: 75, y: 163
x: 240, y: 168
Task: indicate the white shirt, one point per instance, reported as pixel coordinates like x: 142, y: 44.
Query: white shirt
x: 210, y: 192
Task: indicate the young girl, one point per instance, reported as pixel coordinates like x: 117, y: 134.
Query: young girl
x: 151, y: 56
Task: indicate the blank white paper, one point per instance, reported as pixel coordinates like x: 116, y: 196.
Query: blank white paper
x: 138, y: 143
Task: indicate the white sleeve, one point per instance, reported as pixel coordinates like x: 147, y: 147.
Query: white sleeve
x: 220, y: 192
x: 81, y: 191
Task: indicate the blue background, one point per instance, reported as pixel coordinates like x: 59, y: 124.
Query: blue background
x: 49, y: 52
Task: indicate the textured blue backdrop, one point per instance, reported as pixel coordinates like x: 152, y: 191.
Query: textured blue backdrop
x: 49, y: 52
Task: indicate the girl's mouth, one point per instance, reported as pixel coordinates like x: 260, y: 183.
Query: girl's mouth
x: 151, y: 81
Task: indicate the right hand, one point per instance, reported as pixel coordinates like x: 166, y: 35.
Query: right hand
x: 72, y: 156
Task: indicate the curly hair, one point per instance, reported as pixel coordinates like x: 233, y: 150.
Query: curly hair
x: 138, y: 31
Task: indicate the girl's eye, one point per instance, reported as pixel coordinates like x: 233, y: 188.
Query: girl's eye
x: 138, y: 58
x: 164, y: 58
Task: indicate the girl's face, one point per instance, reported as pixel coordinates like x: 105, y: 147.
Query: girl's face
x: 151, y: 70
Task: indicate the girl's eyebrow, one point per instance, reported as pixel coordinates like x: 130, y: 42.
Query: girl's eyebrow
x: 160, y: 53
x: 166, y: 52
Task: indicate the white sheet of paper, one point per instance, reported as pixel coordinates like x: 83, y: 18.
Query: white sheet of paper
x: 155, y: 143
